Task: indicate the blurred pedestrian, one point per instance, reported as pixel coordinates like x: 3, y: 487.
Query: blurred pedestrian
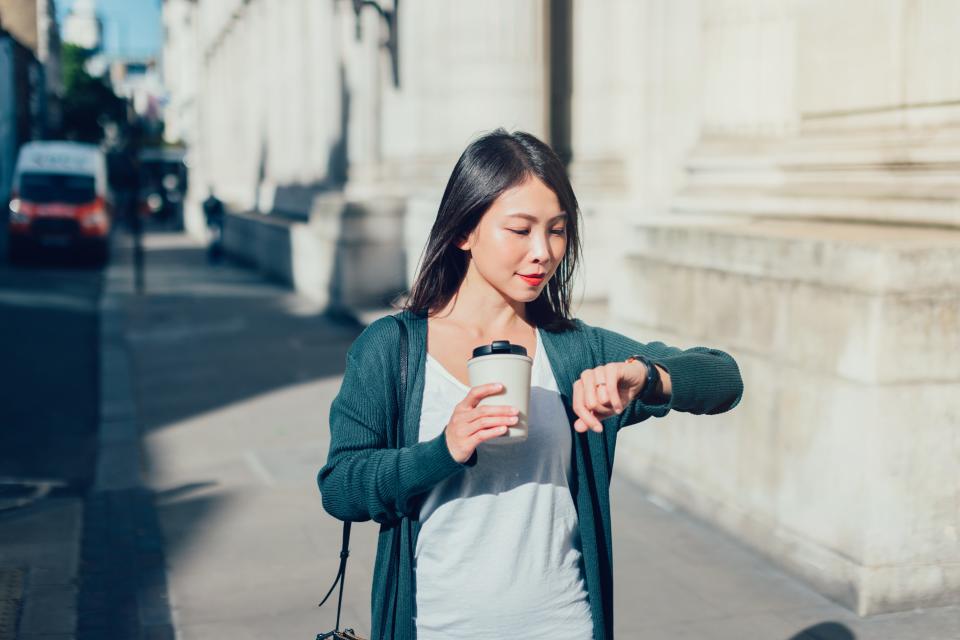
x: 484, y: 535
x: 126, y: 180
x: 213, y: 213
x: 124, y: 175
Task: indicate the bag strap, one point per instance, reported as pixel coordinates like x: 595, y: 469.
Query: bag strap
x: 341, y: 572
x: 398, y: 443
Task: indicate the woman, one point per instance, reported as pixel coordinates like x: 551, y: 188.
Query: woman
x: 479, y: 540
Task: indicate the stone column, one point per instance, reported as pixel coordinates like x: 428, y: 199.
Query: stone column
x: 635, y: 116
x: 811, y: 231
x: 604, y: 96
x: 466, y: 69
x: 363, y: 60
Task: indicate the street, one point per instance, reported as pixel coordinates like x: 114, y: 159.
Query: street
x: 49, y: 412
x: 48, y: 350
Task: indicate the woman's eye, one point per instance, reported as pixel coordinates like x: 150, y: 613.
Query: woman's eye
x: 523, y: 232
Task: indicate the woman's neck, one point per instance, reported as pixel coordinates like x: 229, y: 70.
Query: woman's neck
x: 482, y: 315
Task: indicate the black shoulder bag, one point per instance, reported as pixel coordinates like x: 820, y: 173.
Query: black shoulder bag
x: 350, y: 634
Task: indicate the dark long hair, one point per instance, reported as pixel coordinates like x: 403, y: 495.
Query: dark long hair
x: 491, y: 165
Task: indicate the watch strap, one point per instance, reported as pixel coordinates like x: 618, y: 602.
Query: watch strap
x: 651, y: 385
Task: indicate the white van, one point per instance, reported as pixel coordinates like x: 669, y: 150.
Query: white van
x: 60, y: 199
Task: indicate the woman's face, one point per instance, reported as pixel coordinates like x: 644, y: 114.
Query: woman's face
x: 523, y: 233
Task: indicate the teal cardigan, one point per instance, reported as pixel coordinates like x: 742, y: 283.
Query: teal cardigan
x: 367, y: 477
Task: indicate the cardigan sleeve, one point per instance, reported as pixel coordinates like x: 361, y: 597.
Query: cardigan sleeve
x: 703, y: 380
x: 364, y: 478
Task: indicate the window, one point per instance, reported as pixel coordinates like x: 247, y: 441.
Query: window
x: 56, y: 187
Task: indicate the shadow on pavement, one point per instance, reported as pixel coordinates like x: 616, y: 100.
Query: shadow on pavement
x: 49, y: 396
x: 200, y: 339
x: 204, y: 338
x: 825, y: 631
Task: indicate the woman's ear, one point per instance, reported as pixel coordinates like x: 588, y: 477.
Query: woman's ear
x: 466, y: 243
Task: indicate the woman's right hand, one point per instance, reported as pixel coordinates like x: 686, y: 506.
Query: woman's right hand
x: 471, y: 424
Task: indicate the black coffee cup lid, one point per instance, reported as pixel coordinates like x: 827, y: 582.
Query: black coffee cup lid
x: 500, y: 346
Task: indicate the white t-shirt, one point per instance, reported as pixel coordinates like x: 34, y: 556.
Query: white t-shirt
x: 498, y: 553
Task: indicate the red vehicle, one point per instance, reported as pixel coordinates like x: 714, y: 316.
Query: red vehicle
x: 60, y: 201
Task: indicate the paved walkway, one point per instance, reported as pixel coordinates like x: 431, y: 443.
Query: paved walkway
x: 233, y: 378
x: 39, y: 549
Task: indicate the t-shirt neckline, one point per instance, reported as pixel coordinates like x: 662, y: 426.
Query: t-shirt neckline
x: 455, y: 380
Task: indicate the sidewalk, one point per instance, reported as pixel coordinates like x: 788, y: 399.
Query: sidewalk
x: 39, y: 549
x: 233, y: 378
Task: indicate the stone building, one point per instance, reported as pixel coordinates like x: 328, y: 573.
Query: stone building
x: 82, y: 26
x: 180, y: 67
x: 33, y: 26
x: 30, y: 86
x: 777, y: 179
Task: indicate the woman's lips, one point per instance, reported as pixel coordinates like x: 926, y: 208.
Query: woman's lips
x: 532, y: 280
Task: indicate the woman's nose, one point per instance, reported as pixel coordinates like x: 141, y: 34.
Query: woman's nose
x: 540, y: 249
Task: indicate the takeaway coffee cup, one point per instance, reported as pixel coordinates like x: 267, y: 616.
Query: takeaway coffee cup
x: 509, y: 365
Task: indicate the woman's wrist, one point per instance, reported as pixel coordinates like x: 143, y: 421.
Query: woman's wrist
x: 636, y: 370
x: 655, y: 385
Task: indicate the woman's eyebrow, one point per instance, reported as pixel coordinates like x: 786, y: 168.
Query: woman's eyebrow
x: 534, y: 218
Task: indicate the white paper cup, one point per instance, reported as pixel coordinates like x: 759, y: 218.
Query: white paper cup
x: 512, y: 370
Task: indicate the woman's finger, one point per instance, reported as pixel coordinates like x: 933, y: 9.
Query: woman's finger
x: 604, y: 389
x: 489, y: 422
x: 612, y: 372
x: 579, y: 425
x: 492, y: 410
x: 582, y: 425
x: 488, y: 434
x: 478, y: 393
x: 589, y: 389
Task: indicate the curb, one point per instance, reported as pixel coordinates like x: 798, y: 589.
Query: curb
x: 118, y: 458
x: 123, y: 588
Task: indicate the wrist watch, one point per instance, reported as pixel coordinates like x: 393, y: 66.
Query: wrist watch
x: 651, y: 386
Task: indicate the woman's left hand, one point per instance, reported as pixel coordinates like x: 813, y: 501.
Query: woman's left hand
x: 604, y: 391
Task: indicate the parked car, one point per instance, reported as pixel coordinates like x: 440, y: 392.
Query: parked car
x: 163, y: 176
x: 60, y: 200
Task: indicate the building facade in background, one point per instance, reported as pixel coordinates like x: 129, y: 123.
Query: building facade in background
x: 180, y: 67
x: 776, y: 179
x: 138, y: 81
x: 8, y: 116
x: 82, y: 26
x: 33, y: 26
x: 30, y: 83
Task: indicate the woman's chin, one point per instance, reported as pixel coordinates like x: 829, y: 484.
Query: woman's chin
x: 528, y: 296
